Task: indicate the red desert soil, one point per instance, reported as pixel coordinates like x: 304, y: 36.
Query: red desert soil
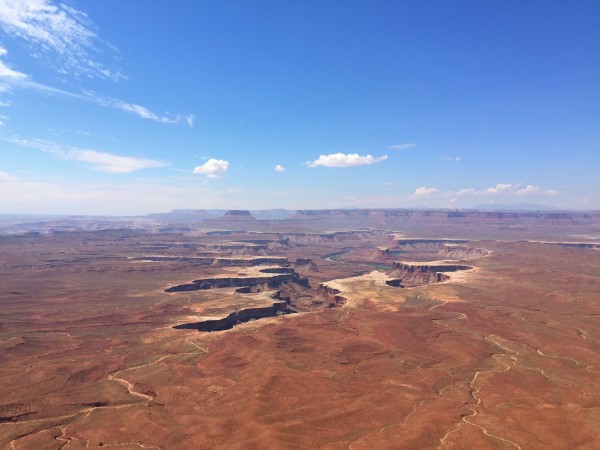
x: 504, y: 356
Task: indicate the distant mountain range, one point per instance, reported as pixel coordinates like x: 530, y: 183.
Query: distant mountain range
x: 514, y: 207
x: 195, y: 215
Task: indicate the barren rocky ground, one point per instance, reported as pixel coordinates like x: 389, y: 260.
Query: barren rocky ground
x: 502, y: 354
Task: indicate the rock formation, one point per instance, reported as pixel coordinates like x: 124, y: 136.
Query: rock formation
x: 330, y: 296
x: 408, y: 275
x: 237, y: 214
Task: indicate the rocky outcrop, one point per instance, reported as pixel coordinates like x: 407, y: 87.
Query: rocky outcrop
x: 459, y: 252
x: 427, y: 249
x: 329, y: 296
x: 409, y: 275
x: 304, y: 266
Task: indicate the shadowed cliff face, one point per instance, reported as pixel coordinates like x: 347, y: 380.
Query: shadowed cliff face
x: 237, y: 317
x: 270, y: 281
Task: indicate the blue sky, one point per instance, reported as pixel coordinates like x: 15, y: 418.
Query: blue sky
x: 131, y: 107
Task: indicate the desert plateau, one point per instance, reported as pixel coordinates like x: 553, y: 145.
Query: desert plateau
x: 331, y: 329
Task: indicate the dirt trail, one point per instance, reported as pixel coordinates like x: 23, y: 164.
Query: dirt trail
x: 65, y: 439
x: 475, y: 393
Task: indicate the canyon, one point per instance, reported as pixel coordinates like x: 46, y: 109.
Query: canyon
x: 320, y: 329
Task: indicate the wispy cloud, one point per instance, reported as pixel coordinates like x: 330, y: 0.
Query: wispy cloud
x: 465, y: 191
x: 529, y: 189
x: 67, y: 35
x: 63, y: 35
x: 106, y: 162
x: 6, y: 72
x: 279, y: 168
x: 96, y: 160
x: 500, y: 188
x: 424, y: 192
x: 402, y: 146
x: 142, y: 111
x: 450, y: 158
x: 212, y: 168
x: 497, y: 190
x: 11, y: 78
x: 345, y: 160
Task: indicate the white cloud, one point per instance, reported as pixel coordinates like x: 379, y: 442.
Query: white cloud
x: 402, y: 146
x: 424, y: 191
x: 450, y: 158
x: 212, y: 168
x: 99, y: 161
x: 8, y: 74
x: 5, y: 103
x: 464, y: 191
x: 142, y: 111
x: 106, y: 162
x: 279, y: 168
x: 500, y: 188
x: 529, y: 189
x: 12, y: 78
x: 345, y: 160
x: 61, y: 33
x: 138, y: 110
